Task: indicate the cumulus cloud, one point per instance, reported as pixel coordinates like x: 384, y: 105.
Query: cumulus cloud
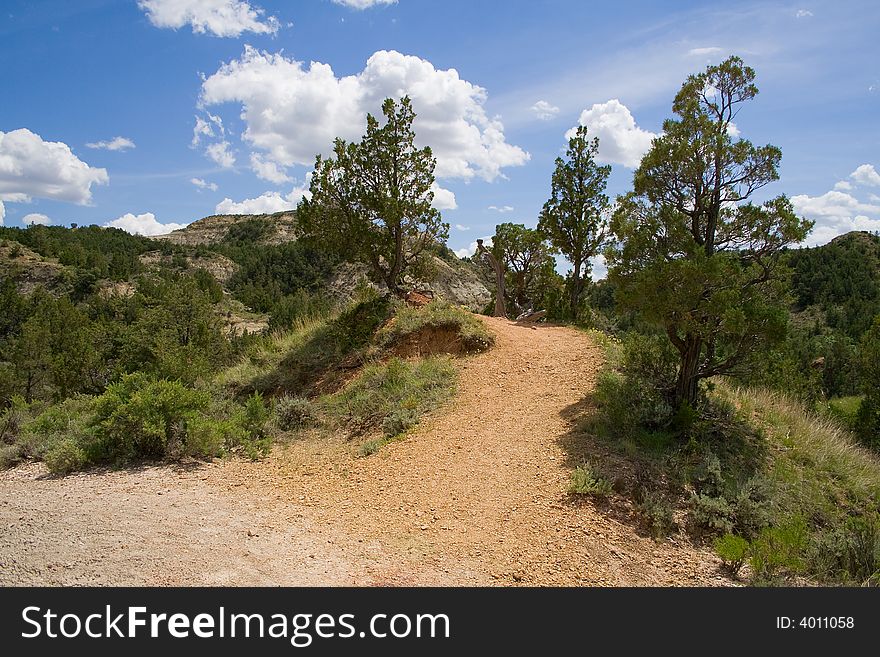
x: 866, y: 175
x: 621, y: 141
x: 142, y: 224
x: 293, y: 111
x: 364, y: 4
x: 203, y: 184
x: 503, y: 209
x: 836, y: 213
x: 843, y: 186
x: 115, y: 144
x: 31, y: 167
x: 2, y: 212
x: 702, y: 52
x: 219, y: 152
x: 544, y: 111
x: 803, y: 13
x: 443, y: 198
x: 36, y: 218
x: 264, y: 204
x: 267, y: 170
x: 222, y: 18
x: 461, y: 227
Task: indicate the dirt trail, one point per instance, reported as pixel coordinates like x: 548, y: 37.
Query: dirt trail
x: 475, y: 496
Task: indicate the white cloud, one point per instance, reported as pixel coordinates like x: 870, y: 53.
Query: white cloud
x: 222, y: 18
x: 503, y: 209
x: 115, y: 144
x: 364, y: 4
x: 203, y: 184
x: 443, y: 198
x: 733, y: 130
x: 866, y: 175
x: 264, y: 204
x: 702, y: 52
x: 842, y: 186
x: 600, y: 268
x: 31, y: 167
x: 36, y: 218
x: 266, y: 170
x: 463, y: 228
x: 142, y: 224
x: 544, y: 110
x: 220, y: 153
x: 204, y: 128
x: 803, y: 13
x: 621, y: 141
x: 2, y: 212
x: 293, y: 112
x: 836, y: 213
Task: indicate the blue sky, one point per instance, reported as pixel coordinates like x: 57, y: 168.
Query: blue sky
x: 149, y: 115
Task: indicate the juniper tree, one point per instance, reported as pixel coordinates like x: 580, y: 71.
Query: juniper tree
x: 371, y: 200
x: 695, y: 255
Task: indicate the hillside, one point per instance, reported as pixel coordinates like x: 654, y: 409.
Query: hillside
x: 454, y: 280
x: 475, y: 495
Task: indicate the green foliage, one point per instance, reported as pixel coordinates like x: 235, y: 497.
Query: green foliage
x: 867, y: 422
x: 392, y: 395
x: 733, y: 551
x: 585, y: 481
x: 295, y: 413
x: 695, y: 257
x: 142, y: 417
x: 849, y: 553
x: 100, y: 252
x: 529, y: 265
x: 371, y: 201
x: 469, y: 329
x: 779, y: 551
x: 574, y: 218
x: 842, y: 278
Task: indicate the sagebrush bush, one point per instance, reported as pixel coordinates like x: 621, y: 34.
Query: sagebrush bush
x: 295, y: 413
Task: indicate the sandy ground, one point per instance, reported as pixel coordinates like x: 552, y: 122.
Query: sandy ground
x: 475, y: 496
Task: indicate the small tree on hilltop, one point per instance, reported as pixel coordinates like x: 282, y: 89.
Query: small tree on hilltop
x: 574, y: 218
x: 371, y: 201
x: 695, y: 256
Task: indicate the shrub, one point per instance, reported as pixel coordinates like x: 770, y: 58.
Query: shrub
x: 295, y: 413
x: 850, y: 553
x: 399, y: 391
x: 779, y: 551
x: 733, y: 551
x: 65, y: 456
x: 585, y: 481
x: 399, y: 421
x: 253, y: 419
x: 657, y: 514
x: 141, y: 417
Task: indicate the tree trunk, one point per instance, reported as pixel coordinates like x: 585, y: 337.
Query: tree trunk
x: 500, y: 307
x: 686, y: 386
x: 575, y: 289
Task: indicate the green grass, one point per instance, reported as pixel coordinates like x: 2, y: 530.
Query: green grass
x: 391, y: 396
x: 469, y: 330
x: 843, y: 409
x: 788, y: 482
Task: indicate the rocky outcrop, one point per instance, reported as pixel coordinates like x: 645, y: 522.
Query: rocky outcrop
x: 219, y: 266
x: 213, y: 229
x: 456, y: 282
x: 29, y: 270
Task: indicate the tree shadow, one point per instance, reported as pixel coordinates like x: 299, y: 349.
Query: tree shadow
x: 178, y: 466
